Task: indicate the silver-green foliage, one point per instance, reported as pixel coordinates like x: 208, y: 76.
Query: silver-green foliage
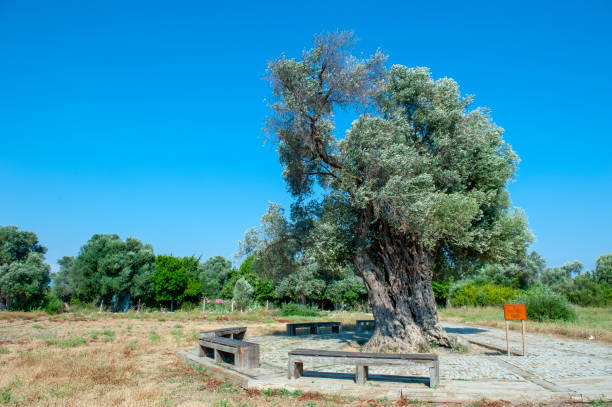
x: 213, y: 273
x: 420, y: 159
x: 24, y: 277
x: 243, y: 293
x: 107, y: 265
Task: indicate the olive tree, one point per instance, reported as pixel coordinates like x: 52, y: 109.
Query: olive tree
x: 24, y: 277
x: 243, y: 293
x: 420, y: 174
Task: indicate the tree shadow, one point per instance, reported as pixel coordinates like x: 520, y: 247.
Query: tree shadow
x: 371, y: 377
x: 465, y: 331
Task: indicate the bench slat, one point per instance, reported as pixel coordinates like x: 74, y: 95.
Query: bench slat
x: 331, y: 353
x: 309, y: 324
x: 224, y: 331
x: 236, y: 343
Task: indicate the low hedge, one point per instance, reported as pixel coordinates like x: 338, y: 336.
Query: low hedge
x: 470, y: 294
x: 299, y: 310
x: 544, y: 305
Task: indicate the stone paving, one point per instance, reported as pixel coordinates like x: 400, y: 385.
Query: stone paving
x: 553, y: 367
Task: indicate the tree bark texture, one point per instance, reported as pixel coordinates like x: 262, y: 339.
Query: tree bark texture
x: 397, y: 273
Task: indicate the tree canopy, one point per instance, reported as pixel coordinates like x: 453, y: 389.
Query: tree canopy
x: 419, y: 177
x: 108, y: 266
x: 24, y: 277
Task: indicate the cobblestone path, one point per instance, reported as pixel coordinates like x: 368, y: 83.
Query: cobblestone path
x: 549, y: 359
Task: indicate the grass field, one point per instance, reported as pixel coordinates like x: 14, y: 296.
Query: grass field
x: 126, y: 359
x: 591, y: 322
x: 92, y: 359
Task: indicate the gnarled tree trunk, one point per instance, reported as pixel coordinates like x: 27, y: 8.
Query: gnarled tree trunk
x: 397, y: 276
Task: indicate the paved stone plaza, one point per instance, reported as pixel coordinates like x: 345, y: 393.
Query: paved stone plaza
x: 554, y: 369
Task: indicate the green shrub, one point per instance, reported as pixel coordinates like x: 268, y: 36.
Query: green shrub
x: 67, y: 342
x: 300, y: 310
x: 440, y: 291
x: 544, y: 305
x: 52, y: 305
x: 468, y: 294
x: 588, y: 291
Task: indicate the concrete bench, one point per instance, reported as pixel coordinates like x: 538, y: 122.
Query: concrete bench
x: 239, y: 353
x: 315, y: 327
x: 232, y: 332
x: 361, y: 361
x: 363, y: 324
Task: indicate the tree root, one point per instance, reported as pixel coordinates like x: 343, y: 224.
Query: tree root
x: 414, y: 340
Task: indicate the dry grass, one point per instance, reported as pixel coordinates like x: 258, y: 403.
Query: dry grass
x: 110, y: 360
x: 128, y: 360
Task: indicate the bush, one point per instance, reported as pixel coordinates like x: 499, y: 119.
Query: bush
x: 544, y: 305
x: 440, y: 291
x: 299, y: 310
x: 469, y: 294
x: 588, y: 291
x: 243, y: 293
x: 52, y: 305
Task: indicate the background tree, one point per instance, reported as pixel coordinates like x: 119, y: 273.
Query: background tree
x: 24, y: 277
x: 243, y: 293
x: 603, y: 269
x: 559, y: 279
x: 63, y: 287
x: 170, y: 280
x: 194, y: 290
x: 420, y: 175
x: 213, y: 273
x: 107, y: 266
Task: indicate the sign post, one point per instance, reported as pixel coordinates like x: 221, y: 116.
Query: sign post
x: 514, y: 312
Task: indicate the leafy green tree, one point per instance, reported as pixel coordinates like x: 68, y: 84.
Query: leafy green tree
x: 419, y: 176
x: 346, y: 290
x: 213, y: 274
x: 195, y: 289
x: 63, y: 287
x: 588, y: 290
x: 170, y: 279
x: 24, y: 277
x: 302, y: 285
x: 245, y: 270
x: 264, y: 290
x: 107, y: 266
x: 559, y: 279
x: 16, y: 245
x: 603, y: 269
x: 243, y: 293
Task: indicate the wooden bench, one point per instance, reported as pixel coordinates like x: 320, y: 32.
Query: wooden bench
x: 241, y: 354
x: 361, y: 361
x: 315, y: 327
x: 362, y: 324
x: 232, y: 332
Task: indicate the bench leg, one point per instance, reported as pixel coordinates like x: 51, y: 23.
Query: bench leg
x: 290, y: 331
x: 434, y: 375
x: 217, y: 356
x: 296, y: 369
x: 361, y: 374
x: 201, y: 351
x: 337, y: 329
x: 239, y: 358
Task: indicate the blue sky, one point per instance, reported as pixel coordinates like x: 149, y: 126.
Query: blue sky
x: 144, y: 118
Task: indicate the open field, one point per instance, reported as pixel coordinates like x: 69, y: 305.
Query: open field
x: 591, y: 322
x: 111, y: 360
x: 91, y: 359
